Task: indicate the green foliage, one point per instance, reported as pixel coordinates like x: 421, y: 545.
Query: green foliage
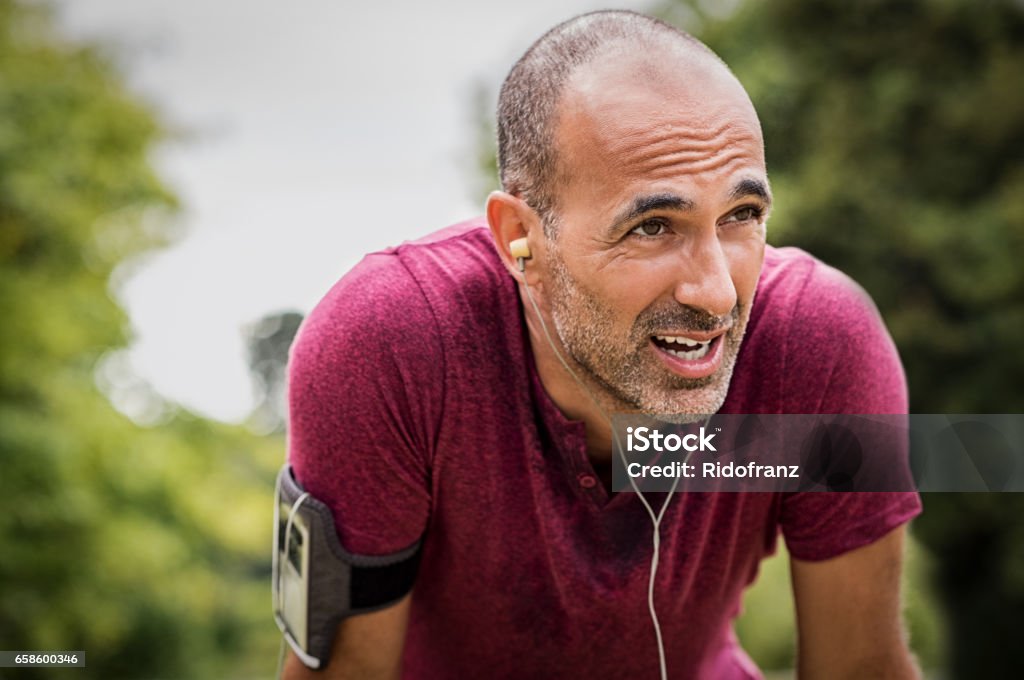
x: 146, y: 547
x: 765, y: 626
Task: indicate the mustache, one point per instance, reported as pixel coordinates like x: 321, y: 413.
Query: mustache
x: 685, y: 318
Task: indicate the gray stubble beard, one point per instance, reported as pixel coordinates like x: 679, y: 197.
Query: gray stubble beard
x: 626, y: 378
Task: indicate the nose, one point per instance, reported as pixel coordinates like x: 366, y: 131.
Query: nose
x: 705, y: 281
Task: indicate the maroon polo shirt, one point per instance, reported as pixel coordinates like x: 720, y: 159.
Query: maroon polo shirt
x: 417, y: 412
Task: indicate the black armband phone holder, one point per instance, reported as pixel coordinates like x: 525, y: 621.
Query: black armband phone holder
x: 316, y: 582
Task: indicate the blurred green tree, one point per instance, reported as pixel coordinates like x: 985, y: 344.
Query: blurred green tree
x: 144, y: 546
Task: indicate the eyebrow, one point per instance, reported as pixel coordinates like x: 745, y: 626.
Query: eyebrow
x: 751, y: 187
x: 645, y: 204
x: 669, y: 201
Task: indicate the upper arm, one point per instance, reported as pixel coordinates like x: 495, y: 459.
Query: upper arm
x: 849, y: 613
x: 847, y: 548
x: 364, y: 406
x: 365, y: 646
x: 363, y: 414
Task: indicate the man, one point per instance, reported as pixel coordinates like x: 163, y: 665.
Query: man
x: 430, y: 406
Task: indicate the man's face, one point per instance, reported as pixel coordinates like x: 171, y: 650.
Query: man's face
x: 659, y: 234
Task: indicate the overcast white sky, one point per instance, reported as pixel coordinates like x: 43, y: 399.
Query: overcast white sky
x: 321, y: 130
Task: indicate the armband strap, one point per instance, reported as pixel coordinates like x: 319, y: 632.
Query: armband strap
x: 316, y: 582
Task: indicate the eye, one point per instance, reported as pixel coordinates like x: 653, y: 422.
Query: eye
x: 745, y: 214
x: 650, y: 228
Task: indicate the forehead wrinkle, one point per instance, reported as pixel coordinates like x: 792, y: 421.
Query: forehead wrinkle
x: 672, y: 155
x: 650, y: 119
x: 670, y: 166
x: 671, y: 129
x: 682, y: 143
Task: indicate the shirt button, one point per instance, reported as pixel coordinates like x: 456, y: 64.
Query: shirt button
x: 587, y: 481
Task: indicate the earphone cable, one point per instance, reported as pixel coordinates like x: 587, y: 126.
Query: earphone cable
x: 655, y: 519
x: 279, y: 594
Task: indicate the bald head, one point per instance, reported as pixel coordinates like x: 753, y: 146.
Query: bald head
x: 576, y: 59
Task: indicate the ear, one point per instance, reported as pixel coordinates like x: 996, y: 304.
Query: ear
x: 510, y: 218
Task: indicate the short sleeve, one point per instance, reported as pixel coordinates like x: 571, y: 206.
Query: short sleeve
x: 857, y: 371
x: 365, y: 389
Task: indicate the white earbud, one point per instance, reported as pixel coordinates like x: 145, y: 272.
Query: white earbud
x: 520, y: 250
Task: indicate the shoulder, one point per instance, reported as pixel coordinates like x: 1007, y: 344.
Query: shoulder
x: 795, y: 285
x: 352, y: 330
x: 838, y: 355
x: 392, y: 296
x: 815, y: 299
x: 374, y: 343
x: 398, y: 322
x: 368, y: 386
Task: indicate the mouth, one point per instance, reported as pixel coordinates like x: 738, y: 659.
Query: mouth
x: 694, y: 355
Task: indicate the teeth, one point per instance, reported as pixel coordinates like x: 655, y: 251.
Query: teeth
x: 692, y: 355
x: 687, y: 348
x: 685, y: 342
